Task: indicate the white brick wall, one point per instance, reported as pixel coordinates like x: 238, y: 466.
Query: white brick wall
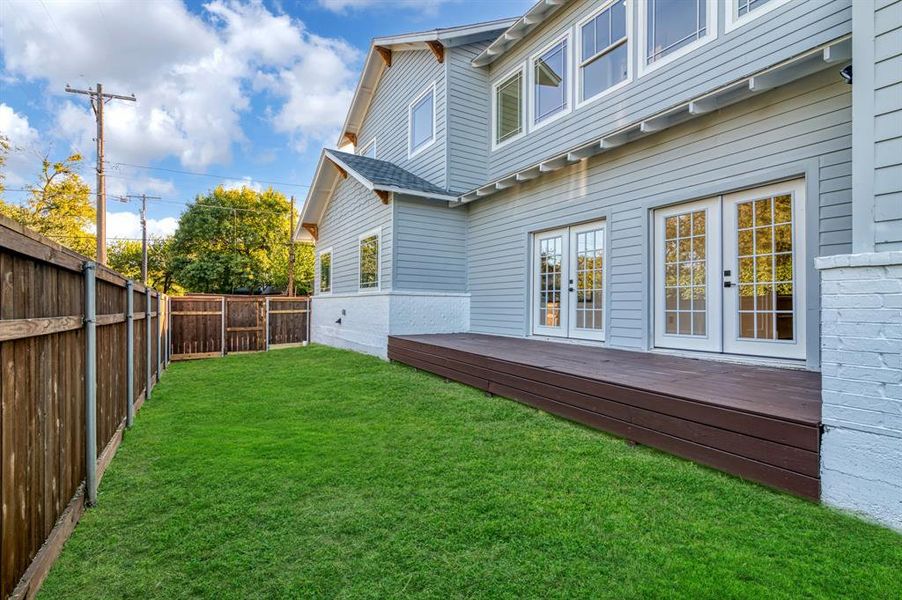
x: 861, y: 363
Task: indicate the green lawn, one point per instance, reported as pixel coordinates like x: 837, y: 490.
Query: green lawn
x: 315, y: 472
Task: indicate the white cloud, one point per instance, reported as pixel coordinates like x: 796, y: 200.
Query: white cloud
x: 128, y: 225
x: 193, y: 75
x: 23, y: 139
x: 247, y: 182
x: 425, y: 6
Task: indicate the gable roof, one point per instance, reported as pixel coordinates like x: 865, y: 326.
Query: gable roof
x: 381, y: 47
x: 540, y: 12
x: 378, y: 176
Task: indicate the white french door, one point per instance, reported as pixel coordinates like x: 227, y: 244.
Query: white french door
x: 730, y: 273
x: 568, y: 282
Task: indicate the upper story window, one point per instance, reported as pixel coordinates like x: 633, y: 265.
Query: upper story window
x: 674, y: 27
x: 369, y: 260
x: 550, y: 82
x: 422, y: 121
x: 604, y: 50
x: 740, y: 11
x: 507, y: 111
x: 325, y: 271
x: 369, y: 150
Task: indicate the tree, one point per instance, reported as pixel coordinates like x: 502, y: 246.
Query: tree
x: 231, y: 239
x: 4, y: 151
x: 59, y: 206
x: 125, y: 257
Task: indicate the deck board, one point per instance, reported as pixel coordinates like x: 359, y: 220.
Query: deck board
x: 757, y: 422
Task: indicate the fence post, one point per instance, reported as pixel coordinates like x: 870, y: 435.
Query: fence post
x: 159, y: 335
x: 148, y: 347
x: 130, y: 352
x: 266, y: 326
x: 90, y: 271
x: 168, y: 331
x: 222, y: 319
x: 307, y: 341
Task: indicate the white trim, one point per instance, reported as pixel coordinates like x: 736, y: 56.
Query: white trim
x: 522, y: 68
x: 578, y: 55
x: 319, y: 271
x: 377, y: 231
x: 732, y: 21
x: 401, y: 293
x: 431, y: 88
x: 366, y: 147
x: 568, y: 88
x: 710, y: 36
x: 738, y: 359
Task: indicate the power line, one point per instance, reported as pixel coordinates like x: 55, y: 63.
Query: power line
x: 212, y: 175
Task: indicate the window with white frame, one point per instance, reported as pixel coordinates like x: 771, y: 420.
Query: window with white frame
x: 508, y: 108
x: 422, y: 120
x: 550, y: 85
x: 741, y: 11
x: 369, y: 261
x: 604, y: 50
x: 744, y: 7
x: 671, y: 25
x: 325, y: 271
x: 369, y: 150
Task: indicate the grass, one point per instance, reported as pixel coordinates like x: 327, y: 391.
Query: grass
x: 321, y: 473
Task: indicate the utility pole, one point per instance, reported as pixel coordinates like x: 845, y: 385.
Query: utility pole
x: 143, y: 198
x: 98, y: 99
x: 291, y: 252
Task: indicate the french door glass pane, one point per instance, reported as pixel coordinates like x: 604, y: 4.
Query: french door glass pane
x: 765, y: 278
x: 685, y: 274
x: 589, y: 278
x: 550, y: 265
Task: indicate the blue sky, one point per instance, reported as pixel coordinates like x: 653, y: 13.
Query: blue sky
x: 244, y: 90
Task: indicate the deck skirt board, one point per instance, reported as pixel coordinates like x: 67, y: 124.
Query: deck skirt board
x: 774, y: 442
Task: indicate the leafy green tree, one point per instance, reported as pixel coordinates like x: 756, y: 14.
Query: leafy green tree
x: 231, y: 239
x: 125, y: 256
x: 4, y: 151
x: 59, y: 206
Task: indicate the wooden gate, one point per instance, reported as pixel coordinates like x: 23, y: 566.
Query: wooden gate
x: 245, y: 324
x: 206, y: 326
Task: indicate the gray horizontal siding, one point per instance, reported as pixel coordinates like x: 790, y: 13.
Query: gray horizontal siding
x: 387, y: 119
x: 888, y: 126
x: 802, y: 127
x: 468, y: 118
x: 353, y: 210
x: 429, y: 246
x: 786, y: 32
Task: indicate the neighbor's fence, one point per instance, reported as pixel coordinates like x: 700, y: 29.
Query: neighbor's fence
x: 80, y: 348
x: 205, y: 326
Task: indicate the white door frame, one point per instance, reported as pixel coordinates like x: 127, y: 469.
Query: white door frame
x: 733, y: 344
x: 572, y: 330
x: 722, y: 330
x: 567, y: 306
x: 538, y: 327
x: 711, y: 341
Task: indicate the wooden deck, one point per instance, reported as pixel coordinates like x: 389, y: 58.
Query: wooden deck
x: 759, y: 423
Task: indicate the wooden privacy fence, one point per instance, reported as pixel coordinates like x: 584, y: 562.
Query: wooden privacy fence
x: 80, y: 349
x: 205, y: 326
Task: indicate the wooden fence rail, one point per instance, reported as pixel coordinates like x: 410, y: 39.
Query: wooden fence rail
x: 206, y: 326
x: 76, y: 339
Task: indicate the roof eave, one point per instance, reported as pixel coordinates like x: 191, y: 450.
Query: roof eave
x: 539, y: 13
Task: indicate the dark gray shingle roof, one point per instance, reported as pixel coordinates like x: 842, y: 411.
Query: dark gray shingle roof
x: 384, y: 173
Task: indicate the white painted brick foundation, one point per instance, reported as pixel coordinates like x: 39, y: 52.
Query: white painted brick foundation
x: 861, y: 362
x: 368, y: 319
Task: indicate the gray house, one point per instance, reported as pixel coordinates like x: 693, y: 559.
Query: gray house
x: 676, y: 178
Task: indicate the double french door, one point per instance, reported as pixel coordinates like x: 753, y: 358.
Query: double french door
x: 730, y: 273
x: 568, y: 282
